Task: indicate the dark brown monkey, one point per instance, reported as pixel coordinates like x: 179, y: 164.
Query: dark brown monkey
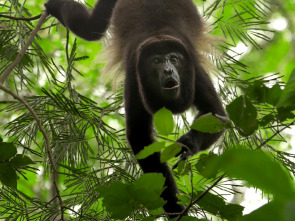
x: 161, y: 46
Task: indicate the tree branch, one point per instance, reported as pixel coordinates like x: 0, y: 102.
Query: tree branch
x: 30, y: 109
x: 24, y: 49
x: 275, y: 134
x: 21, y: 19
x: 199, y: 198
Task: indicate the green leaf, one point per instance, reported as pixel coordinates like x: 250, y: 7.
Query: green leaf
x: 208, y: 123
x: 121, y: 199
x: 262, y: 94
x: 244, y: 115
x: 1, y: 140
x: 163, y: 120
x: 117, y: 199
x: 20, y: 161
x: 266, y: 120
x: 7, y: 150
x: 232, y: 212
x: 169, y: 152
x: 272, y: 211
x: 274, y: 94
x: 189, y: 218
x: 8, y: 175
x: 147, y: 190
x: 288, y: 94
x: 183, y: 168
x: 149, y: 150
x: 285, y: 113
x: 217, y: 206
x: 257, y: 91
x: 211, y: 203
x: 203, y: 162
x: 256, y: 168
x: 148, y: 219
x: 289, y: 210
x: 184, y: 199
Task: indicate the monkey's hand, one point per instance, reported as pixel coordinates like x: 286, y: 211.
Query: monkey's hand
x: 55, y: 8
x: 190, y: 146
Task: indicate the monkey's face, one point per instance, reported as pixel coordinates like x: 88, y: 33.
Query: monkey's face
x: 165, y: 80
x: 163, y: 72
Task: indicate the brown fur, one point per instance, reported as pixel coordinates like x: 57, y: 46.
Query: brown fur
x: 203, y: 42
x: 137, y: 28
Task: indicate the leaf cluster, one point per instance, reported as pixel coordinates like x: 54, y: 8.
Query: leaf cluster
x: 98, y: 176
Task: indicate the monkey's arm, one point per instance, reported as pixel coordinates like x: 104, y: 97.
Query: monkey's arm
x: 77, y: 18
x: 206, y: 101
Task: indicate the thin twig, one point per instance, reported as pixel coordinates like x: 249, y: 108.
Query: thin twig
x: 24, y: 49
x: 67, y: 46
x: 47, y: 142
x: 275, y: 134
x: 221, y: 177
x: 98, y: 128
x: 35, y: 116
x: 21, y: 19
x: 199, y: 198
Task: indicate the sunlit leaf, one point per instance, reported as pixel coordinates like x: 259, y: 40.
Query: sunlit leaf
x: 183, y: 168
x: 208, y: 123
x: 149, y: 150
x: 117, y: 199
x: 256, y: 168
x: 273, y: 211
x: 204, y: 162
x: 288, y: 94
x: 163, y: 120
x: 147, y: 190
x: 169, y: 152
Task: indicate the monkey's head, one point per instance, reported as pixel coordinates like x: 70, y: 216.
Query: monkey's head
x: 165, y: 74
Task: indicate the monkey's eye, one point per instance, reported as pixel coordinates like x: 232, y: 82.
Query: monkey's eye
x: 174, y: 59
x: 156, y: 61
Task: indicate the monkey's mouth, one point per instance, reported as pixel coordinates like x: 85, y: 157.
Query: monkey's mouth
x: 170, y: 84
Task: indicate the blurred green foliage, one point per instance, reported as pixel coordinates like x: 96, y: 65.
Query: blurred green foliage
x: 99, y: 178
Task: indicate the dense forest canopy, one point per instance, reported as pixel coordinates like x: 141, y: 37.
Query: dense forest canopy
x: 63, y: 151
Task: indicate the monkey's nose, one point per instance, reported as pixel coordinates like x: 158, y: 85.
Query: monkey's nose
x: 168, y: 71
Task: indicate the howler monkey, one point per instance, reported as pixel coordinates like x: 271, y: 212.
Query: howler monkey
x: 161, y: 46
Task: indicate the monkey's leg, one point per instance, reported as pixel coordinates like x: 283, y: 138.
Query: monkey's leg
x: 139, y: 134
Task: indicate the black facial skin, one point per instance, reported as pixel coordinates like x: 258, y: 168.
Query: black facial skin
x: 164, y: 70
x: 166, y: 77
x: 155, y: 42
